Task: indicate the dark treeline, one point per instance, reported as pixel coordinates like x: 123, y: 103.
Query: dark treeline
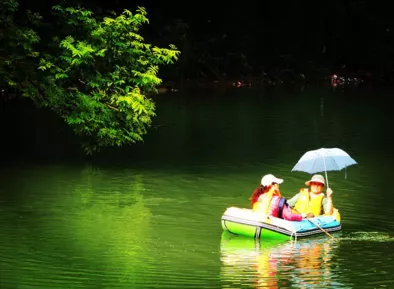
x: 245, y: 39
x: 98, y: 74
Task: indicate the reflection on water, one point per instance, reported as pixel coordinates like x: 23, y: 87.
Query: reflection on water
x: 273, y: 264
x: 117, y: 220
x: 368, y: 236
x: 71, y: 232
x: 148, y: 215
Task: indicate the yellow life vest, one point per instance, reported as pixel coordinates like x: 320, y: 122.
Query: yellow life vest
x: 305, y: 204
x: 335, y: 214
x: 262, y: 206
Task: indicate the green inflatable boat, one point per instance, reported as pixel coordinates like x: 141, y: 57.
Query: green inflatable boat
x: 246, y: 222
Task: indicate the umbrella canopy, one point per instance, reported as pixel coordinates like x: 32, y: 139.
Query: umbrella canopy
x: 323, y: 160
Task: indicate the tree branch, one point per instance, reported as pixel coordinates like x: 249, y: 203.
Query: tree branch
x: 111, y: 107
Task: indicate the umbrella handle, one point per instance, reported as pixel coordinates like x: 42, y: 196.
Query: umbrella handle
x: 325, y: 170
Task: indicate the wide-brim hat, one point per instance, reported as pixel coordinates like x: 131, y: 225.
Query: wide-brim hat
x: 316, y: 179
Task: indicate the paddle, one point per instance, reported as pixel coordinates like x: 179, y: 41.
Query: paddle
x: 328, y: 234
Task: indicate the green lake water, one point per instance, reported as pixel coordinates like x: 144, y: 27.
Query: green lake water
x: 148, y: 215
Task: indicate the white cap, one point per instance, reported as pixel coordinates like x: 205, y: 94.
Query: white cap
x: 269, y: 179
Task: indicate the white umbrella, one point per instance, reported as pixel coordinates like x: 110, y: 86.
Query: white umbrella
x: 324, y: 159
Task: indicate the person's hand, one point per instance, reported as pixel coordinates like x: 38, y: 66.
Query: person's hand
x: 329, y: 192
x: 309, y: 215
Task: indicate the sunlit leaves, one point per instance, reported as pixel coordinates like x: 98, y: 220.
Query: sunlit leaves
x: 79, y: 51
x: 101, y: 52
x: 95, y: 73
x: 108, y: 21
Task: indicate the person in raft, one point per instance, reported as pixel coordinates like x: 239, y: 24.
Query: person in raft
x: 312, y: 200
x: 267, y: 199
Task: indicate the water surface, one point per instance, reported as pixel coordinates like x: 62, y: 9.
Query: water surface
x: 148, y: 215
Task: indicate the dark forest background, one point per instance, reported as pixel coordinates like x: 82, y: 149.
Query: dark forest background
x: 264, y: 40
x: 235, y: 43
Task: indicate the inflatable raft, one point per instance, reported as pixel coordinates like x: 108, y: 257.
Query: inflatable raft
x: 246, y: 222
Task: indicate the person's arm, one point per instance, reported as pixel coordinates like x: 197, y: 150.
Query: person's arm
x: 288, y: 215
x: 328, y: 205
x: 293, y: 200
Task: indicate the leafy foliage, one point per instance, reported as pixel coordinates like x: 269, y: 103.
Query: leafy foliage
x: 94, y: 73
x: 18, y: 41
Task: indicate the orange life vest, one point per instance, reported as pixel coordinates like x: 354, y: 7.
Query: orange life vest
x: 263, y: 204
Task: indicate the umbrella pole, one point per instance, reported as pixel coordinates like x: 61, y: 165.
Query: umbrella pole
x: 325, y: 170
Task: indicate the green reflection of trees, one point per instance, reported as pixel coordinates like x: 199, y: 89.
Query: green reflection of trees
x: 110, y: 224
x: 77, y: 230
